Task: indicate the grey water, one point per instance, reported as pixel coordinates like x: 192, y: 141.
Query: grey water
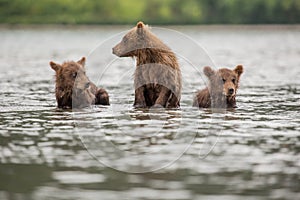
x: 118, y: 152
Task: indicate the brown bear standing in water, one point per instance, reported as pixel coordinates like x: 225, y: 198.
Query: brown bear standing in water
x: 157, y: 78
x: 73, y: 87
x: 221, y: 92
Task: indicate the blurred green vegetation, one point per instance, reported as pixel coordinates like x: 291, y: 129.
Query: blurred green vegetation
x: 150, y: 11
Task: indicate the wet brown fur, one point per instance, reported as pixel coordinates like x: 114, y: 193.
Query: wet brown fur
x: 157, y: 78
x: 74, y: 89
x: 221, y: 92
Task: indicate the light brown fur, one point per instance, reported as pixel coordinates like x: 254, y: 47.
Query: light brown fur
x: 73, y: 87
x: 221, y: 92
x: 157, y: 77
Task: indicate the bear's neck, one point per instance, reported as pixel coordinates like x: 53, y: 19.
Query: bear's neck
x: 151, y: 55
x: 63, y: 94
x: 219, y: 100
x: 231, y: 102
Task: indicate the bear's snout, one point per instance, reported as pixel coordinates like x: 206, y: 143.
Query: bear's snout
x: 116, y: 51
x: 230, y: 91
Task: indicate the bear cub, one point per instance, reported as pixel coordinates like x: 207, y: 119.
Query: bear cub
x: 222, y: 88
x: 73, y: 88
x: 157, y: 77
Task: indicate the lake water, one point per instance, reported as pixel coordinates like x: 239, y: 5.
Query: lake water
x: 118, y: 152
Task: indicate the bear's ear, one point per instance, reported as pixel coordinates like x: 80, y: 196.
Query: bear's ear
x: 140, y: 24
x: 82, y: 61
x: 208, y: 71
x: 239, y: 70
x: 55, y: 66
x: 140, y: 27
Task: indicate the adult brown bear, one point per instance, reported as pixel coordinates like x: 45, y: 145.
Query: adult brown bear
x: 157, y: 78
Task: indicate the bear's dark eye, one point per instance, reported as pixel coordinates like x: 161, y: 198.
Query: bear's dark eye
x: 233, y: 80
x: 125, y: 40
x: 74, y: 75
x: 224, y: 80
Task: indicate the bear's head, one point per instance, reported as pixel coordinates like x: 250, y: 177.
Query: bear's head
x: 223, y: 82
x: 138, y: 38
x: 71, y: 75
